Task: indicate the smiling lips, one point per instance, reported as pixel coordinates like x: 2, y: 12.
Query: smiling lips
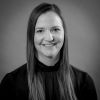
x: 49, y: 45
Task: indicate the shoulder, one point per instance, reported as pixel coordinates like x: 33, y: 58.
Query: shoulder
x: 14, y: 84
x: 15, y: 75
x: 78, y: 73
x: 77, y: 70
x: 80, y: 76
x: 19, y: 70
x: 84, y: 84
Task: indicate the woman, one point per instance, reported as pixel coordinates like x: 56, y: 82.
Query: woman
x: 47, y: 74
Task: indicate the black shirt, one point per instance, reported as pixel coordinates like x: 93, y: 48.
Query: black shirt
x: 14, y: 85
x: 50, y: 80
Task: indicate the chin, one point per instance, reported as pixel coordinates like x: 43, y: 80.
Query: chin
x: 51, y: 55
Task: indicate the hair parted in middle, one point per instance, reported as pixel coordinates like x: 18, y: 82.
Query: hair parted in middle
x: 64, y: 78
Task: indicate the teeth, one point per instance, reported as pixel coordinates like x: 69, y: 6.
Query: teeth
x: 48, y: 44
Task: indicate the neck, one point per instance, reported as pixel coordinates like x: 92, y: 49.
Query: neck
x: 49, y: 61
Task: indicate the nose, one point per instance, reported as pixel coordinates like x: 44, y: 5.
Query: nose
x: 48, y: 36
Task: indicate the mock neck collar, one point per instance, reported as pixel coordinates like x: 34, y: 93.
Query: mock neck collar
x: 44, y: 68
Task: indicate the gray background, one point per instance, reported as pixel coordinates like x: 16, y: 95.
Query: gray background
x: 83, y: 26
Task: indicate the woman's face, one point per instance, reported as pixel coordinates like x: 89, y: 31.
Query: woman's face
x: 49, y: 35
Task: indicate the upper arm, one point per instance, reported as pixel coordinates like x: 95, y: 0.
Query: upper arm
x: 7, y: 87
x: 87, y: 89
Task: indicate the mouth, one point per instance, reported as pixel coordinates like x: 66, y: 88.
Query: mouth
x: 49, y: 45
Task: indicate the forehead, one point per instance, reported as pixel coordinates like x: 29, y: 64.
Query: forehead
x: 49, y: 19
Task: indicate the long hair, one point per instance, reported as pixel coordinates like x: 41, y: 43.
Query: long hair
x: 35, y: 81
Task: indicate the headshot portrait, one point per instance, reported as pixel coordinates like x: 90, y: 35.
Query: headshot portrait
x: 50, y: 54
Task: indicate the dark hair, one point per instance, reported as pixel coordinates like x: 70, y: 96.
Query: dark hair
x: 35, y: 81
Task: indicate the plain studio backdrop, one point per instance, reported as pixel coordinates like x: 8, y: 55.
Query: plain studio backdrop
x: 83, y: 27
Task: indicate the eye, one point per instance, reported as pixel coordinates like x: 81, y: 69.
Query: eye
x: 39, y: 31
x: 55, y: 30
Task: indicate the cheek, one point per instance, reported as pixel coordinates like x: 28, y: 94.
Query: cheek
x: 37, y: 39
x: 60, y: 37
x: 36, y: 43
x: 61, y: 41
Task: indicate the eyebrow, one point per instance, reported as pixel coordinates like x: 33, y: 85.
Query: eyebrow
x: 39, y: 28
x: 50, y: 27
